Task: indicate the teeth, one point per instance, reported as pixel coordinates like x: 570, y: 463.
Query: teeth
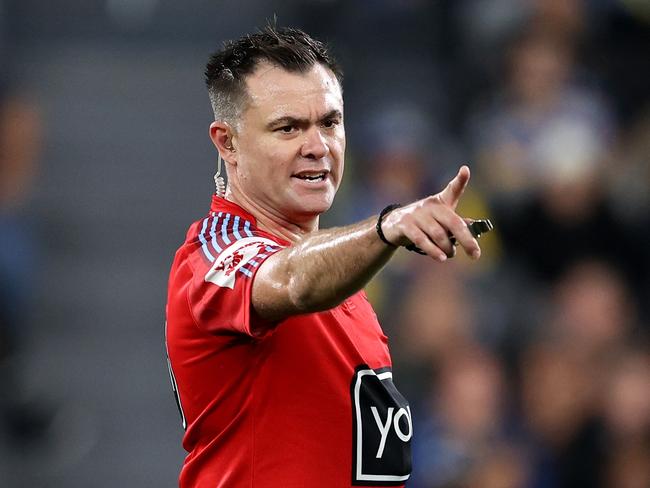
x: 318, y: 177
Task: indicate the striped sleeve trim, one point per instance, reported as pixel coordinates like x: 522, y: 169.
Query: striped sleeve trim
x: 220, y: 229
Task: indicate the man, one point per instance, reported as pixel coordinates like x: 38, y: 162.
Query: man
x: 281, y: 370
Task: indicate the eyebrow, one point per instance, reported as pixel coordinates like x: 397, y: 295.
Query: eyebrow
x: 289, y: 120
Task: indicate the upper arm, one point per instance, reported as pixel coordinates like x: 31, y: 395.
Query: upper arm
x: 220, y: 293
x: 271, y: 294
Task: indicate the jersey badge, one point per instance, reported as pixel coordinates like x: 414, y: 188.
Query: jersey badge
x: 233, y: 258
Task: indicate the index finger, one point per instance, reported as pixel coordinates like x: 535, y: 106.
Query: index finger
x: 453, y: 191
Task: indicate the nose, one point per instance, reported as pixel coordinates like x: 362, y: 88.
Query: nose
x: 314, y: 145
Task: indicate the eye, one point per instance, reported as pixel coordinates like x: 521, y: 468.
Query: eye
x: 330, y: 123
x: 286, y: 129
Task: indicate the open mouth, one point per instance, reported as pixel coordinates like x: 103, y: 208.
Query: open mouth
x: 311, y: 176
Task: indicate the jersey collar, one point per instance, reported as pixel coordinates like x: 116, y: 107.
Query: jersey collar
x: 220, y: 204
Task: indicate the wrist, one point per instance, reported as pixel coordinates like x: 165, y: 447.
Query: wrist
x: 380, y: 221
x: 380, y: 231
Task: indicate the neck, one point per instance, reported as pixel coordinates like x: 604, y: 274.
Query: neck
x: 271, y: 221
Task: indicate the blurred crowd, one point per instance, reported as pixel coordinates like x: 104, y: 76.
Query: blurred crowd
x: 22, y: 419
x: 530, y: 368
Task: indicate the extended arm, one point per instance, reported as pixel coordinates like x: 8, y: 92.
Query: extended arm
x: 328, y: 266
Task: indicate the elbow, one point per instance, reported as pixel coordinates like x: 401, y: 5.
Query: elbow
x: 311, y: 285
x: 309, y: 295
x: 302, y: 295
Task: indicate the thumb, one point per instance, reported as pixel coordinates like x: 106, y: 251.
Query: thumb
x: 453, y: 191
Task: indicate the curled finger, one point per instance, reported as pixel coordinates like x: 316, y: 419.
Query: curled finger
x: 423, y: 244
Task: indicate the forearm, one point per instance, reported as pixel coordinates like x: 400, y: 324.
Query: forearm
x: 330, y: 265
x: 321, y: 270
x: 326, y: 267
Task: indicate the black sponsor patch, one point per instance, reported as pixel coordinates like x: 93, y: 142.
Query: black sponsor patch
x: 382, y: 429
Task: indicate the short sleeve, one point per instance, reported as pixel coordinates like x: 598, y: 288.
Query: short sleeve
x: 224, y: 264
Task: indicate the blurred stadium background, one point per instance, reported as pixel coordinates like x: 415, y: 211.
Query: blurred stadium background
x: 528, y: 369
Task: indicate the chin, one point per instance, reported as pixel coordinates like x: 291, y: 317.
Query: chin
x: 308, y: 208
x: 312, y: 211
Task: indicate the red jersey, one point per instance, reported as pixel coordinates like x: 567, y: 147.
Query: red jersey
x: 308, y: 402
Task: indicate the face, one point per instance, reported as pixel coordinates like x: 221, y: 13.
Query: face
x: 290, y: 142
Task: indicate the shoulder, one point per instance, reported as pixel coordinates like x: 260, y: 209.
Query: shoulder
x: 222, y: 230
x: 224, y: 245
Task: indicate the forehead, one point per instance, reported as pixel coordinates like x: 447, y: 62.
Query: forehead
x: 273, y: 90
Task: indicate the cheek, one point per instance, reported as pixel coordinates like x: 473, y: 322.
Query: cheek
x: 338, y: 144
x: 339, y: 139
x: 338, y: 148
x: 260, y: 158
x: 276, y: 155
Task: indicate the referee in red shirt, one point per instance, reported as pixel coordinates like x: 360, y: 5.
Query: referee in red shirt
x: 281, y: 371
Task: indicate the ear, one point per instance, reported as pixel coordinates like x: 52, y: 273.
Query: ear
x: 222, y: 135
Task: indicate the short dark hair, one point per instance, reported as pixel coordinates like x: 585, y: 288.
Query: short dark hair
x: 288, y: 48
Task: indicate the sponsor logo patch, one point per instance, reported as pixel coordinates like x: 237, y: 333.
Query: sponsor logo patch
x: 382, y: 430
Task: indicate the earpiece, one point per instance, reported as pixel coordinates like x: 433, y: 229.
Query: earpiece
x: 219, y: 182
